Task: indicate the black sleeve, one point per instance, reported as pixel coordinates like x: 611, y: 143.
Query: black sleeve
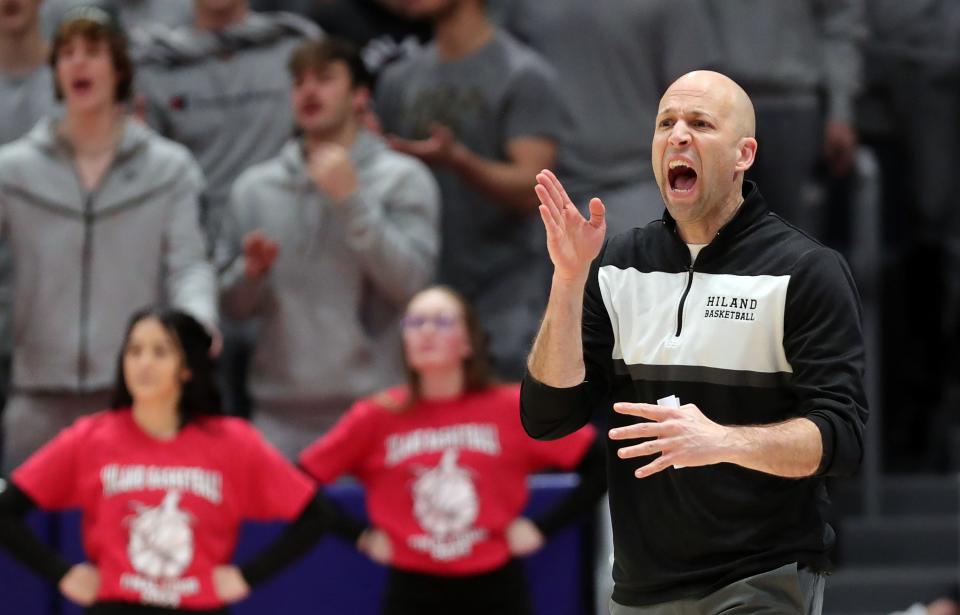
x: 823, y: 341
x: 550, y: 413
x: 21, y: 542
x: 295, y: 541
x: 318, y: 516
x: 582, y: 500
x: 343, y: 524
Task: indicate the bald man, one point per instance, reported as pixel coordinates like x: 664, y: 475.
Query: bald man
x: 747, y: 333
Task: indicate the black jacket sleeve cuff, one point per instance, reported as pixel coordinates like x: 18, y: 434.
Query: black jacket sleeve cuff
x: 550, y: 413
x: 828, y: 437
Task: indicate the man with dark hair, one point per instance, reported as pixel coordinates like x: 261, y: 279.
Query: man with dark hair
x: 485, y: 113
x: 214, y: 86
x: 325, y: 244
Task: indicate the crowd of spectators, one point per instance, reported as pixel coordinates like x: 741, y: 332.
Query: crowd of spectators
x: 292, y: 172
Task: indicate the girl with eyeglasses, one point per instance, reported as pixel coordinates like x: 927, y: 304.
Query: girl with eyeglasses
x: 444, y: 461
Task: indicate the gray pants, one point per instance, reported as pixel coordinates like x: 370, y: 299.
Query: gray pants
x: 30, y: 420
x: 784, y: 591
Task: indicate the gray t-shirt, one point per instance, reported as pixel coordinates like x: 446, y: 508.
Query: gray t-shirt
x: 615, y: 59
x: 500, y: 92
x: 224, y: 95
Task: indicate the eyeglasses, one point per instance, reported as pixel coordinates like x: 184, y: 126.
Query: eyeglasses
x: 439, y: 321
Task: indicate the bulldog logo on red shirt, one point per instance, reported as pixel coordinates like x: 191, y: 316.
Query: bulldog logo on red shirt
x: 445, y: 504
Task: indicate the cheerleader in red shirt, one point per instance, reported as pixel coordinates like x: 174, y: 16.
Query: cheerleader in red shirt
x: 444, y: 461
x: 163, y: 484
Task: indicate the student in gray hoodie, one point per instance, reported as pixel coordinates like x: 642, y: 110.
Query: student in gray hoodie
x: 326, y: 243
x: 214, y: 86
x: 100, y: 215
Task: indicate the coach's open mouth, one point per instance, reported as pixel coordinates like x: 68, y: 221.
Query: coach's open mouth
x: 681, y: 176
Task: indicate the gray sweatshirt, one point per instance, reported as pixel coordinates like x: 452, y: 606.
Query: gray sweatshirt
x: 225, y: 95
x: 83, y: 262
x: 330, y: 305
x: 785, y: 48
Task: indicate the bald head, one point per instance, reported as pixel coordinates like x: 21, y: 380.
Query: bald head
x: 722, y: 91
x: 702, y: 146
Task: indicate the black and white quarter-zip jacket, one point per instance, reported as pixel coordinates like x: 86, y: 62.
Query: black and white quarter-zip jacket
x: 763, y: 327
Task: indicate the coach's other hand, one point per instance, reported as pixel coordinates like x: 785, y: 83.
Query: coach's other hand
x: 683, y: 436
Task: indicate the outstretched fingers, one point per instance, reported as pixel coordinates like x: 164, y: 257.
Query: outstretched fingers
x: 557, y: 187
x: 657, y: 465
x: 647, y: 411
x: 549, y: 224
x: 546, y: 202
x: 558, y: 196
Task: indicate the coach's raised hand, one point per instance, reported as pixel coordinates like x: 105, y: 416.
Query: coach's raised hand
x: 572, y: 241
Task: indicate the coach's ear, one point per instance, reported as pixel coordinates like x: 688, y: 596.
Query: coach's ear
x: 746, y: 154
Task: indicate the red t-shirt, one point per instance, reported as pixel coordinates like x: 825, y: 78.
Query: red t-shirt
x: 443, y: 479
x: 159, y: 515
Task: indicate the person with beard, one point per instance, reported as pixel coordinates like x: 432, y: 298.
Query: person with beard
x: 324, y: 244
x: 213, y: 86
